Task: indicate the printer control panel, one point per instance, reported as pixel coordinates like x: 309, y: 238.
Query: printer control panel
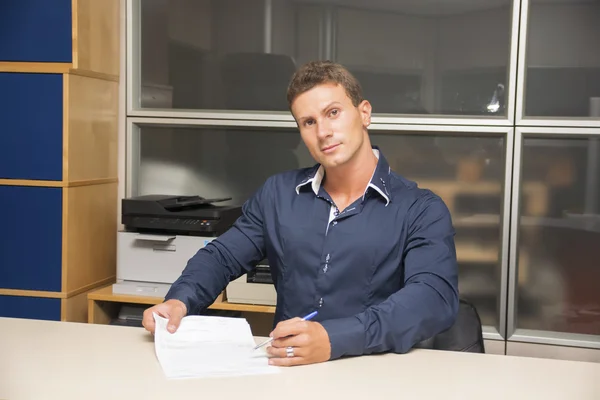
x: 261, y: 274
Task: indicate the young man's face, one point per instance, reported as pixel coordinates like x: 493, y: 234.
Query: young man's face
x: 332, y: 128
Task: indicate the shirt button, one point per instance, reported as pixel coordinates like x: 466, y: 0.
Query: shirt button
x: 321, y: 302
x: 334, y: 223
x: 325, y: 269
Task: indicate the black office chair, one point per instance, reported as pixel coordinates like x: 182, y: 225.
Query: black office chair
x: 465, y: 335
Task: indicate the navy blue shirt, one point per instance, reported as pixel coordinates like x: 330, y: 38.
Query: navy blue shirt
x: 382, y: 273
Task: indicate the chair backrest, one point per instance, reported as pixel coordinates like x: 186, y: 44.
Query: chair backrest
x: 465, y: 335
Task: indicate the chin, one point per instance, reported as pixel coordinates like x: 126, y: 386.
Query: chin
x: 333, y: 161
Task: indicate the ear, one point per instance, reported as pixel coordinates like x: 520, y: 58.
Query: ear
x: 364, y: 108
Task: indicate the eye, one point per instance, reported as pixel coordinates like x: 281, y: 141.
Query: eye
x: 309, y: 122
x: 334, y: 112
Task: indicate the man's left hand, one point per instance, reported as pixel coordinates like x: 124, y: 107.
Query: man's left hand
x: 309, y: 341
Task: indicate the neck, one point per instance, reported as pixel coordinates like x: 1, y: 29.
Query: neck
x: 351, y: 179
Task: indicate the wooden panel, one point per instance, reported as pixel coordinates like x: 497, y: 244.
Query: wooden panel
x: 32, y: 293
x: 89, y: 236
x: 75, y: 309
x: 106, y: 294
x: 30, y: 307
x: 23, y: 182
x: 40, y: 68
x: 96, y: 36
x: 91, y: 128
x: 30, y: 235
x: 36, y: 31
x: 31, y: 109
x: 102, y: 312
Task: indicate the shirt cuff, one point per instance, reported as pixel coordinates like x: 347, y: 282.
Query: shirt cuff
x: 346, y: 336
x: 181, y: 296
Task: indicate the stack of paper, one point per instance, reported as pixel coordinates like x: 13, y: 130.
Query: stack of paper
x: 205, y: 346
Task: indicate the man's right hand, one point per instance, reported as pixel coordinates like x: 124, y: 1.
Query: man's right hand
x: 173, y: 310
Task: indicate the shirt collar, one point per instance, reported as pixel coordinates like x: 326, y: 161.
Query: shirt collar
x: 378, y: 182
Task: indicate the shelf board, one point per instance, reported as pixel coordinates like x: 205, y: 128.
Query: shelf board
x: 106, y: 294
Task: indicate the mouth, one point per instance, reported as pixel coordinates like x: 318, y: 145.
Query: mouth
x: 329, y: 149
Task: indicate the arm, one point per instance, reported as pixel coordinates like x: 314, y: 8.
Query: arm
x: 227, y: 257
x: 425, y: 306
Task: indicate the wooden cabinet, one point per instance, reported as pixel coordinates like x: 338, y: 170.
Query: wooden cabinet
x: 30, y: 238
x: 59, y: 67
x: 30, y: 307
x: 31, y: 111
x: 36, y: 31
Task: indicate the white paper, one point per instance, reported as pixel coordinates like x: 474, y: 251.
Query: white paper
x: 208, y: 346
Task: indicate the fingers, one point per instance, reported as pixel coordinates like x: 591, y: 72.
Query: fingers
x: 300, y: 340
x: 148, y: 320
x: 173, y: 310
x: 290, y: 327
x: 288, y: 361
x: 175, y: 319
x: 281, y: 352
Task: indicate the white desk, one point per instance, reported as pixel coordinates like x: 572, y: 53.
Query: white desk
x: 60, y: 360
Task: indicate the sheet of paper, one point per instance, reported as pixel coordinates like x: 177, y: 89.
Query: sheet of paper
x: 209, y: 346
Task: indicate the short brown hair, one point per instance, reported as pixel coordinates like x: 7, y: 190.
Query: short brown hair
x: 315, y: 73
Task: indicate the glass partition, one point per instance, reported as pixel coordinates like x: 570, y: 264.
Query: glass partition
x: 436, y: 57
x: 445, y: 63
x: 559, y: 235
x: 563, y: 62
x: 466, y: 171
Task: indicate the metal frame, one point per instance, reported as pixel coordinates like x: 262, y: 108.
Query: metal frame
x: 513, y: 332
x: 133, y: 78
x: 521, y: 119
x: 268, y: 32
x: 556, y: 338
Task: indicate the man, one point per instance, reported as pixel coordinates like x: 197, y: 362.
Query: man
x: 369, y: 250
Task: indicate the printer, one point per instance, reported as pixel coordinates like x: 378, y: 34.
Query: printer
x: 162, y: 232
x: 255, y: 287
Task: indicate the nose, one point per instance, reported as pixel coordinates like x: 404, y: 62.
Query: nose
x: 324, y: 129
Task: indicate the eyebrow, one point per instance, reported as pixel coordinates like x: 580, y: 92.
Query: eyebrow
x: 328, y: 106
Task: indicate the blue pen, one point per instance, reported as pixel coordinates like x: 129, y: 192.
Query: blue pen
x: 306, y: 318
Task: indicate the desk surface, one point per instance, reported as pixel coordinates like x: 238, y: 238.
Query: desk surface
x: 48, y: 360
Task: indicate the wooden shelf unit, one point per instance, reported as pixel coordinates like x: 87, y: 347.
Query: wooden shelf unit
x: 103, y: 305
x: 58, y: 156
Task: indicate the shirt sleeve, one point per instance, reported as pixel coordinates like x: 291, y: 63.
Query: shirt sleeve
x: 225, y: 258
x: 424, y: 307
